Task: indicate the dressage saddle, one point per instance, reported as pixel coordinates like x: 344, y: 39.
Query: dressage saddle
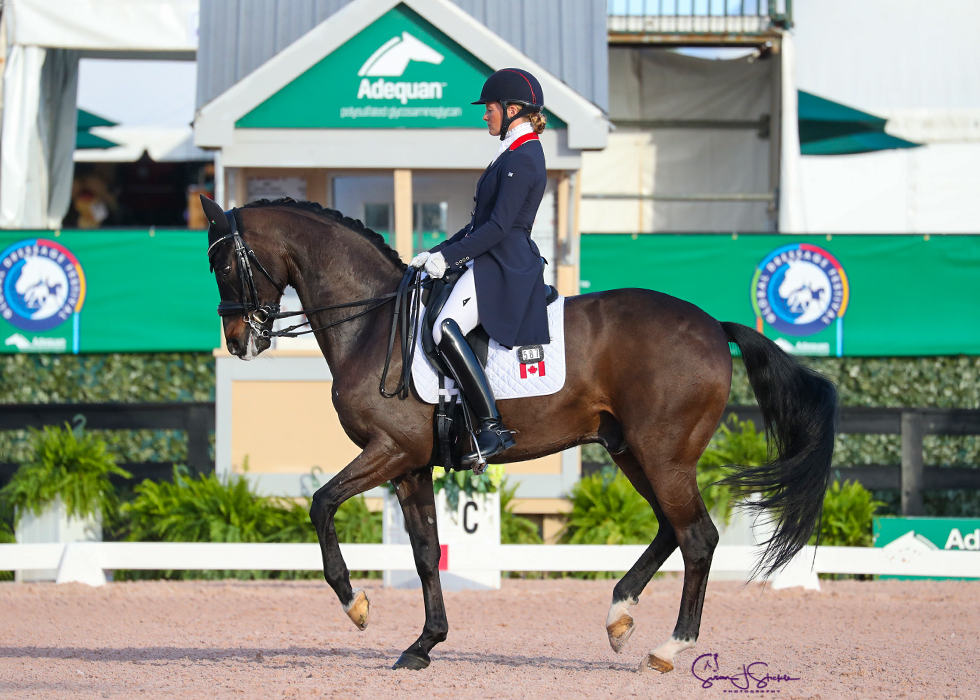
x: 478, y: 338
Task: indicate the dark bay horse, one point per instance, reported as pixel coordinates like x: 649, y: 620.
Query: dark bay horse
x: 648, y: 377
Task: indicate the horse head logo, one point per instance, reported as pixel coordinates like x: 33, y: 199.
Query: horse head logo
x: 393, y: 57
x: 806, y: 289
x: 42, y: 285
x: 18, y: 341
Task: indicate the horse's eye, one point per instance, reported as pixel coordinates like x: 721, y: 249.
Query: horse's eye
x: 226, y: 270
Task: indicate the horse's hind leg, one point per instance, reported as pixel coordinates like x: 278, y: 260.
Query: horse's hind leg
x: 677, y: 492
x: 619, y: 623
x: 373, y: 467
x: 418, y: 506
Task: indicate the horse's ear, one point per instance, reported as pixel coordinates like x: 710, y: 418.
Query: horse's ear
x: 217, y: 221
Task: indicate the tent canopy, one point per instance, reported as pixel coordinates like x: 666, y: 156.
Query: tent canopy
x: 828, y: 128
x: 85, y: 138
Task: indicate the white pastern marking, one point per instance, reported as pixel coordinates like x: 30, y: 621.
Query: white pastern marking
x: 672, y: 647
x: 618, y: 609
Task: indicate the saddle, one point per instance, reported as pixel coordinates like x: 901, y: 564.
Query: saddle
x: 448, y: 432
x: 478, y: 338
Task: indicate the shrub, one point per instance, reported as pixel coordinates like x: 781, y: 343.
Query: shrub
x: 513, y: 528
x: 208, y: 509
x: 64, y: 464
x: 738, y: 442
x: 354, y: 522
x: 6, y: 537
x: 848, y: 510
x: 606, y: 509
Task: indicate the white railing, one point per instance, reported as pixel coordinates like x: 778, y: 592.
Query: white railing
x: 84, y: 562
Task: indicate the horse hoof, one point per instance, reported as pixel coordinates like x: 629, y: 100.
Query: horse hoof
x: 411, y: 662
x: 655, y: 663
x: 619, y: 632
x: 359, y: 610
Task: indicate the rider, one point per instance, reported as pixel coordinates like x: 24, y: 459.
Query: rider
x: 502, y: 284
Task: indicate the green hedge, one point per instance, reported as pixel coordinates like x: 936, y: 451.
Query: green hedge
x: 117, y: 377
x: 894, y: 382
x: 944, y: 382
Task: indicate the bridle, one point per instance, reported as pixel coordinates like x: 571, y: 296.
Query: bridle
x: 256, y: 315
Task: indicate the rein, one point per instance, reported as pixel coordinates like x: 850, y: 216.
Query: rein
x: 408, y: 302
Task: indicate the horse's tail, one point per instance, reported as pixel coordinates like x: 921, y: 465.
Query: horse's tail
x: 799, y: 410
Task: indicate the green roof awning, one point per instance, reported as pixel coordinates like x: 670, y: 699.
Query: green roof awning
x: 829, y: 128
x: 86, y: 120
x: 83, y: 138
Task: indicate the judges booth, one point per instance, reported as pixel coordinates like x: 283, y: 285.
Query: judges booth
x: 369, y: 113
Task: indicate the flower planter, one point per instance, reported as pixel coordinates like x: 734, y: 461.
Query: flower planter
x: 54, y: 525
x: 476, y: 520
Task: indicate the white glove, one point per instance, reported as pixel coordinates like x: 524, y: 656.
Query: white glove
x: 418, y: 262
x: 436, y: 266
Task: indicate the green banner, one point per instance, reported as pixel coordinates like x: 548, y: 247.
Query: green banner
x: 101, y: 291
x: 949, y: 534
x: 400, y: 71
x: 876, y: 295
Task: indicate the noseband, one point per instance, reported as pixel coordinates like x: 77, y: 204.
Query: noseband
x: 407, y: 300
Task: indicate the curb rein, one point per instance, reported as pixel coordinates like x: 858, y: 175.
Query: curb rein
x: 408, y: 300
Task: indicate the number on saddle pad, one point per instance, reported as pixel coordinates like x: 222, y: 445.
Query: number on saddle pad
x: 530, y: 354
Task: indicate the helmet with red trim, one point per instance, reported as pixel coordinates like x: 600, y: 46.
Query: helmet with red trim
x: 512, y: 85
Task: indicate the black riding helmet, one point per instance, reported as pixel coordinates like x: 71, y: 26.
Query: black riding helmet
x: 512, y: 86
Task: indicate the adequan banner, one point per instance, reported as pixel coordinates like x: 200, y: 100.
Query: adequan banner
x: 106, y: 291
x: 399, y: 72
x: 870, y: 295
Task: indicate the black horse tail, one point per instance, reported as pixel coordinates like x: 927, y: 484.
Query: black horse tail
x: 799, y: 410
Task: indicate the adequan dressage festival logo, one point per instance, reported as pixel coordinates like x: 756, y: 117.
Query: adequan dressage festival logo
x: 42, y: 285
x: 800, y: 289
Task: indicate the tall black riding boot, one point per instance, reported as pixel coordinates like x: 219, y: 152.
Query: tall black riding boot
x: 492, y: 437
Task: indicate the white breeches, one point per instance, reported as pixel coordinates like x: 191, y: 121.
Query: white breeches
x: 460, y: 307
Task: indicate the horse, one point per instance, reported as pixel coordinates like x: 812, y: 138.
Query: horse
x: 648, y: 377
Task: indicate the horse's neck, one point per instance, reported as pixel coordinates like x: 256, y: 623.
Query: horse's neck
x: 334, y: 265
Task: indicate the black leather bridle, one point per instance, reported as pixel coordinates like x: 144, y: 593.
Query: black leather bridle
x: 256, y: 314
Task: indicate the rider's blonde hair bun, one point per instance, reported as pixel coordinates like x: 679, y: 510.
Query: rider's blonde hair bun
x: 538, y: 120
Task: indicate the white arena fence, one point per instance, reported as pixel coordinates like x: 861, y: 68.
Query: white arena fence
x: 85, y: 562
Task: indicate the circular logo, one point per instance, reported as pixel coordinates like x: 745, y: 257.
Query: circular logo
x: 41, y: 285
x: 799, y: 289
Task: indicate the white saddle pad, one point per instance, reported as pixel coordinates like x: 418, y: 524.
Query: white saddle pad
x: 508, y: 378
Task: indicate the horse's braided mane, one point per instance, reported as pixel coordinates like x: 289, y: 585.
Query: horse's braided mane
x: 355, y: 225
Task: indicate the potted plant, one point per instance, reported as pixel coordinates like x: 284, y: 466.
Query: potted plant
x: 62, y: 493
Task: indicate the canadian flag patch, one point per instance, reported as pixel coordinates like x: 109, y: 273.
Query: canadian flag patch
x: 535, y: 370
x: 531, y: 358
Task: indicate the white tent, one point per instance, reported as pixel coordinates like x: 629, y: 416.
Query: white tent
x: 917, y: 64
x: 43, y: 44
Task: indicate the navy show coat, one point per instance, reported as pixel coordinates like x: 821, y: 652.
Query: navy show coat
x: 510, y: 288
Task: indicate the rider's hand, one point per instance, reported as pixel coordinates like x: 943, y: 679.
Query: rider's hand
x: 436, y: 265
x: 418, y: 262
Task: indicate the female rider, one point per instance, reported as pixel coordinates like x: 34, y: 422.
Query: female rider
x: 502, y: 284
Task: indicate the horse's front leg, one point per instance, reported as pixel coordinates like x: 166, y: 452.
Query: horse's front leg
x: 378, y: 463
x: 418, y: 506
